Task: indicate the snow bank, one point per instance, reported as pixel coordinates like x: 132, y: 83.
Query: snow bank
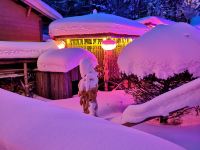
x: 43, y: 8
x: 63, y: 60
x: 187, y: 95
x: 164, y: 50
x: 154, y: 20
x: 98, y: 23
x: 28, y: 124
x: 24, y: 49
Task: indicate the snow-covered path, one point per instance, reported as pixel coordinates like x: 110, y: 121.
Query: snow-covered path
x: 110, y: 104
x: 185, y: 136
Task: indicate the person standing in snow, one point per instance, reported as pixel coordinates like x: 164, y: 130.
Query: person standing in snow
x: 88, y: 87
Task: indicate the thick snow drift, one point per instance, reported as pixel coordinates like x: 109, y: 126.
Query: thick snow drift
x: 164, y: 50
x: 28, y: 124
x: 24, y: 49
x: 43, y: 8
x: 154, y: 20
x: 187, y: 95
x: 63, y: 60
x: 98, y: 23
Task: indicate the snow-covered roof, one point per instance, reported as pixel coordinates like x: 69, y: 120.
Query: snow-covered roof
x: 164, y: 50
x: 63, y: 60
x: 98, y: 23
x: 43, y: 8
x: 154, y: 20
x: 29, y: 124
x: 10, y: 49
x: 187, y: 95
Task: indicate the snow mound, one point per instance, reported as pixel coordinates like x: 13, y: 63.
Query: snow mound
x: 28, y: 124
x: 63, y: 60
x: 43, y: 8
x: 10, y: 49
x: 98, y: 23
x: 165, y: 50
x: 155, y: 20
x: 187, y: 95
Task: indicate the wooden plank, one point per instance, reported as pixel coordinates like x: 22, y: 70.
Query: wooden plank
x: 6, y: 61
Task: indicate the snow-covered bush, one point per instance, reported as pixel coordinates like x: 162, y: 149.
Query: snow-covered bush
x: 162, y: 59
x: 150, y: 86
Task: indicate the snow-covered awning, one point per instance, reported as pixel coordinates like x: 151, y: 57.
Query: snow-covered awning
x: 94, y: 24
x: 63, y: 60
x: 164, y: 50
x: 43, y: 8
x: 10, y: 49
x: 154, y: 20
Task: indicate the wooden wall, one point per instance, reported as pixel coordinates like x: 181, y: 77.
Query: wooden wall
x: 15, y: 25
x: 56, y: 85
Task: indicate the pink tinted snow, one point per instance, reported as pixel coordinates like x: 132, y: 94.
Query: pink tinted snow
x: 63, y: 60
x: 28, y: 124
x: 165, y: 50
x: 155, y: 20
x: 187, y: 95
x: 10, y: 49
x: 98, y: 23
x: 43, y: 8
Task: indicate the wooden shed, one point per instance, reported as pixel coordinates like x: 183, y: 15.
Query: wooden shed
x: 89, y: 31
x: 58, y: 74
x: 24, y: 20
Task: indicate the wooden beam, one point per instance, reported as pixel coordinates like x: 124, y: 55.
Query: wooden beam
x: 6, y: 61
x: 29, y: 11
x: 26, y: 86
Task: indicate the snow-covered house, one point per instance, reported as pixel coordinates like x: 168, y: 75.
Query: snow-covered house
x: 89, y: 31
x: 152, y: 21
x: 58, y: 72
x: 18, y: 58
x: 25, y: 20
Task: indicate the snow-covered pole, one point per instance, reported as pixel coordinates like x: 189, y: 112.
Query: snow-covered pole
x: 108, y: 46
x: 88, y: 86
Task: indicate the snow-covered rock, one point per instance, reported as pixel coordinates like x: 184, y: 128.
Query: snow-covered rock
x: 187, y: 95
x: 165, y: 50
x: 63, y: 60
x: 155, y: 20
x: 98, y: 23
x: 42, y: 7
x: 10, y: 49
x: 28, y: 124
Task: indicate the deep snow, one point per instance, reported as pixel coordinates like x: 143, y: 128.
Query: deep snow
x: 27, y: 124
x: 164, y: 50
x: 10, y: 49
x: 187, y: 95
x: 63, y: 60
x: 98, y: 23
